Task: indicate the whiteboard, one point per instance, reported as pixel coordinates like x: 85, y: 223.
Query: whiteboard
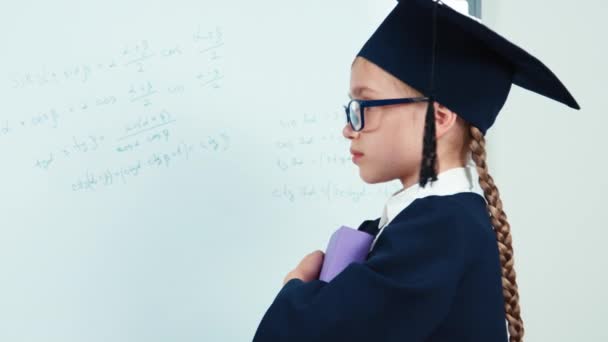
x: 165, y: 164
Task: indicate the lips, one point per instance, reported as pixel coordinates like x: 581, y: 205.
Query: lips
x: 355, y: 152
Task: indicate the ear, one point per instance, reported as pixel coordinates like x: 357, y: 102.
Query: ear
x: 444, y: 119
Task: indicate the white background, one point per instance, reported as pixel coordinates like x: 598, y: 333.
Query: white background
x: 550, y: 165
x: 164, y: 166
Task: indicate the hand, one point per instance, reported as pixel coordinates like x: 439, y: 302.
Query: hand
x: 308, y: 269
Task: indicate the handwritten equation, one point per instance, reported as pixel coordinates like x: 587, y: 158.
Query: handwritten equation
x: 313, y: 142
x: 131, y: 125
x: 108, y: 177
x: 328, y: 191
x: 136, y: 56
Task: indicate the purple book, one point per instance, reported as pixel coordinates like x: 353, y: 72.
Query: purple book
x: 346, y: 245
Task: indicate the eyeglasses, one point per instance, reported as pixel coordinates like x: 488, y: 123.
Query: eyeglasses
x: 355, y: 110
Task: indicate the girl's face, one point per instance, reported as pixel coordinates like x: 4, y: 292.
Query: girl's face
x: 391, y: 141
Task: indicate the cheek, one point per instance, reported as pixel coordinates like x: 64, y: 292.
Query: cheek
x: 393, y: 148
x: 405, y: 145
x: 407, y: 128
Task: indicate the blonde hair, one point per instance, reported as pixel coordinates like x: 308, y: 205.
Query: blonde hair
x: 502, y: 229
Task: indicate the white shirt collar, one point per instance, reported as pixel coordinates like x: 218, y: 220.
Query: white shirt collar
x: 449, y: 182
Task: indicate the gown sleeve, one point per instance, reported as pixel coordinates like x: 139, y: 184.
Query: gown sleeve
x: 402, y: 291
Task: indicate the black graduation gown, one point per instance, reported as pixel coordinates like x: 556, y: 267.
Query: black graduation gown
x: 433, y: 275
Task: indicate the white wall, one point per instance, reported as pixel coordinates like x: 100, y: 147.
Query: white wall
x: 196, y: 250
x: 549, y: 162
x: 240, y: 102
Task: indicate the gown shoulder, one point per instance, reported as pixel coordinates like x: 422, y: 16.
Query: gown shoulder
x: 403, y: 291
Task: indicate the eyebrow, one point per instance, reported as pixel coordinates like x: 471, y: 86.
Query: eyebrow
x: 359, y: 90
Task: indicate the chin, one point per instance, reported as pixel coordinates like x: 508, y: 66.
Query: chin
x: 373, y: 178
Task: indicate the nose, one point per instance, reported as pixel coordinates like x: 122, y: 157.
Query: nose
x: 348, y: 132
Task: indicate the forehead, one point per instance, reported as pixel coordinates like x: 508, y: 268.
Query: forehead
x: 367, y: 78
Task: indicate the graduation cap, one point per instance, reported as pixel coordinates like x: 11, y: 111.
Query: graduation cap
x: 456, y: 60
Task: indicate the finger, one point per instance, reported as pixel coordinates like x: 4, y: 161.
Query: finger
x: 311, y: 265
x: 314, y: 255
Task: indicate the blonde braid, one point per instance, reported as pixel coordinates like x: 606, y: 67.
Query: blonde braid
x: 502, y: 229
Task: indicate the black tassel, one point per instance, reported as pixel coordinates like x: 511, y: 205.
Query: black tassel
x: 428, y: 169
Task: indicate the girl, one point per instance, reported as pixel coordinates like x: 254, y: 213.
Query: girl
x: 431, y: 80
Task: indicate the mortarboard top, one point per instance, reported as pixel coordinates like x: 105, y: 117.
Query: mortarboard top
x: 474, y: 66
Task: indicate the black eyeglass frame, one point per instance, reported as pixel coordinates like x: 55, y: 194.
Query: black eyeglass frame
x: 376, y: 103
